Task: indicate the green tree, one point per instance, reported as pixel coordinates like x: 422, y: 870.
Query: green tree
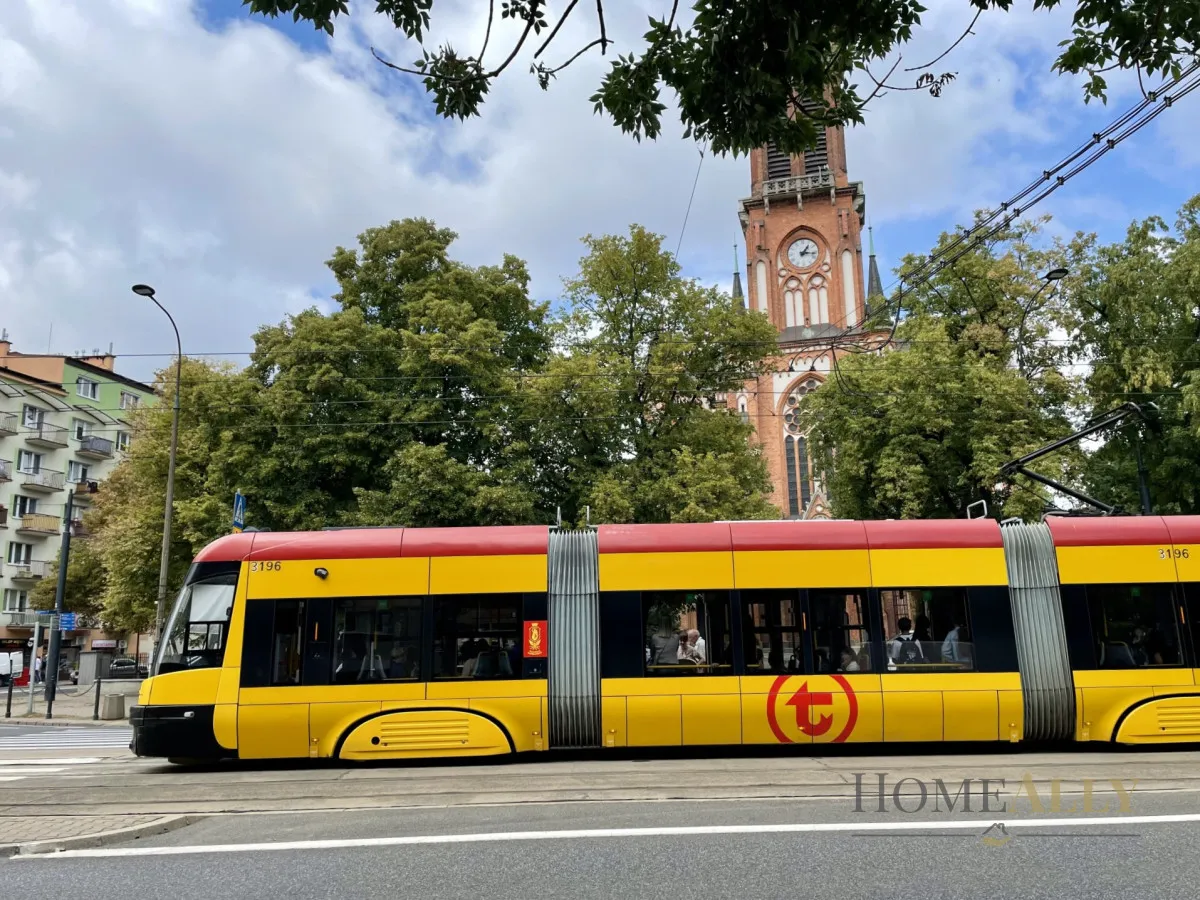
x: 922, y: 431
x: 628, y: 417
x: 738, y: 69
x: 127, y: 516
x: 1135, y: 322
x: 86, y: 584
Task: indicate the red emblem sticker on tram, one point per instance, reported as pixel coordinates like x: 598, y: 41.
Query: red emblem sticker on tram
x: 815, y: 710
x: 535, y: 639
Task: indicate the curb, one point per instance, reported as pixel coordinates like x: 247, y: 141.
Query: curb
x: 43, y: 722
x: 88, y: 841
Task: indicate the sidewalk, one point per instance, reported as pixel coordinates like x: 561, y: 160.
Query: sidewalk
x: 72, y: 704
x: 45, y: 834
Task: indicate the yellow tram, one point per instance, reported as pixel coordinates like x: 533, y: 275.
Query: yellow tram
x: 402, y: 643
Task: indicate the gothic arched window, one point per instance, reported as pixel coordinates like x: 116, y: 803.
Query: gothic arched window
x: 795, y: 450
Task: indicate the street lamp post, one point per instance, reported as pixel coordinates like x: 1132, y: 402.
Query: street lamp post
x: 144, y: 290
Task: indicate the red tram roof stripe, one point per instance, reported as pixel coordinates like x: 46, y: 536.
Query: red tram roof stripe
x: 497, y: 540
x: 1108, y: 531
x: 793, y: 535
x: 351, y: 544
x: 1183, y: 529
x: 923, y: 534
x: 707, y: 537
x: 231, y: 548
x: 380, y: 543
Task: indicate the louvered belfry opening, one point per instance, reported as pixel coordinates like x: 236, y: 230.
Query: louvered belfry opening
x: 779, y: 164
x: 816, y: 159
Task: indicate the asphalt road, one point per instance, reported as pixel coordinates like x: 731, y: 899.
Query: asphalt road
x: 1108, y: 823
x: 521, y: 852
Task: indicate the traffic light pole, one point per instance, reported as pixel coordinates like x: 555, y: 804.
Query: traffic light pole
x: 51, y: 668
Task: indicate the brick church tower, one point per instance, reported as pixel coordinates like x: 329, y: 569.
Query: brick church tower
x: 803, y: 226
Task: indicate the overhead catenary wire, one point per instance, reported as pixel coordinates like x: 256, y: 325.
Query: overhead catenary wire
x: 1051, y: 179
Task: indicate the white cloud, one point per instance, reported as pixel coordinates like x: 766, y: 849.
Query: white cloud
x: 223, y: 168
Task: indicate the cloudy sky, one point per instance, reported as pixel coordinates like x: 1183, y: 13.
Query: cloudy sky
x: 222, y: 158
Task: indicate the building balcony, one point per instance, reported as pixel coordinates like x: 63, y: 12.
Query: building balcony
x: 798, y: 184
x: 85, y: 490
x: 5, y: 470
x: 45, y: 480
x: 45, y: 435
x: 8, y: 424
x: 35, y: 524
x: 95, y: 447
x: 33, y: 570
x: 18, y: 618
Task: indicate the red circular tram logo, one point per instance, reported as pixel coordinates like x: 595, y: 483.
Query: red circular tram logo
x: 816, y: 711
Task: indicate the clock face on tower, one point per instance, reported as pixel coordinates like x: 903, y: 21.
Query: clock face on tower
x: 802, y: 253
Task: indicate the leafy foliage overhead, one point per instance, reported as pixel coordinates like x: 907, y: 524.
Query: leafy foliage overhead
x: 740, y: 69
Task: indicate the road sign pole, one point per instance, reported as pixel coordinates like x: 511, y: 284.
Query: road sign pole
x: 64, y: 555
x: 37, y: 642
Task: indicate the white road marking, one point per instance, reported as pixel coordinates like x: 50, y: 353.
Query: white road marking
x: 17, y: 769
x: 596, y: 833
x: 69, y: 738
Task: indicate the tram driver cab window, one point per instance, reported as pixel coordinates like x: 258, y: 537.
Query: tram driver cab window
x: 687, y: 633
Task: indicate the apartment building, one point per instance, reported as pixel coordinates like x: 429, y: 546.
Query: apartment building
x: 63, y: 426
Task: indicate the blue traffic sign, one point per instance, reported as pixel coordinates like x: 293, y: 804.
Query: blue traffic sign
x: 239, y: 511
x: 66, y: 622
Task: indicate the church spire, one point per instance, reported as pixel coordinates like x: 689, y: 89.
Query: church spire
x: 738, y: 296
x: 874, y: 282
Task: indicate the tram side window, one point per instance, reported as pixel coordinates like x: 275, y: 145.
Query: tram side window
x: 771, y: 631
x: 377, y: 639
x: 478, y: 636
x: 927, y: 629
x: 286, y: 638
x: 839, y: 631
x: 1133, y: 625
x: 687, y: 632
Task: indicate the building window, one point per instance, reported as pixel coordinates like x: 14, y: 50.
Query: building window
x: 15, y: 601
x: 32, y: 416
x: 779, y: 164
x: 28, y: 462
x: 129, y: 401
x: 19, y: 554
x: 122, y: 441
x: 77, y: 472
x: 88, y: 388
x: 80, y: 429
x: 795, y: 450
x: 24, y: 506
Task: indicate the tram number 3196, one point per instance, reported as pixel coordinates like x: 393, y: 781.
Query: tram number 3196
x: 266, y: 566
x: 1172, y: 553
